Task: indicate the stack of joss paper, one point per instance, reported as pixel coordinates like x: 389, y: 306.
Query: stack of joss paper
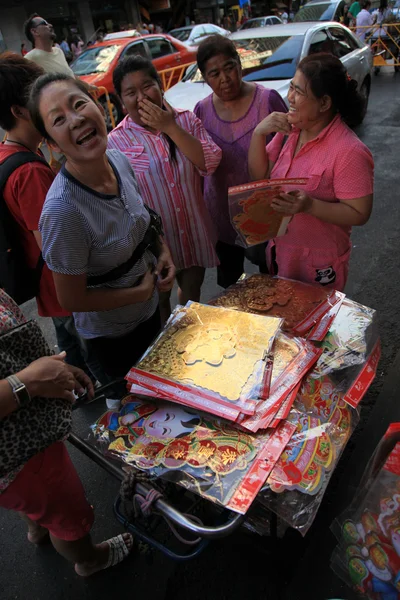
x: 235, y: 365
x: 273, y: 371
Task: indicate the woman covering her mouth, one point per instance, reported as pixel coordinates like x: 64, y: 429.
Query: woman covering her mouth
x: 96, y: 231
x: 314, y: 141
x: 169, y: 151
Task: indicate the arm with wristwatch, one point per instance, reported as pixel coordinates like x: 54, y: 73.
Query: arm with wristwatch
x: 48, y: 377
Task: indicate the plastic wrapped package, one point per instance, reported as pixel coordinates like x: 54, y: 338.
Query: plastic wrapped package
x: 368, y: 554
x: 298, y: 482
x: 251, y: 213
x: 211, y: 359
x: 293, y: 357
x: 301, y: 305
x: 350, y: 339
x: 207, y: 456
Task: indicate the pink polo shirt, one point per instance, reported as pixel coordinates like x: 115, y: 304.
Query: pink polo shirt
x: 338, y: 167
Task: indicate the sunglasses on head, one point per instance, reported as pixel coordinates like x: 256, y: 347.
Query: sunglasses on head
x: 42, y: 22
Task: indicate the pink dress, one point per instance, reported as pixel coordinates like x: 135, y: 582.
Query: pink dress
x: 338, y: 167
x: 173, y: 188
x: 234, y: 138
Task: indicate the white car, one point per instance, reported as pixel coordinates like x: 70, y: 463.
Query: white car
x: 192, y: 35
x: 261, y: 22
x: 270, y: 56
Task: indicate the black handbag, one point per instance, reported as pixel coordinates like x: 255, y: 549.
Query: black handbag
x: 36, y: 426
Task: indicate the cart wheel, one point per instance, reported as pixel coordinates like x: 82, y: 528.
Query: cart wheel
x: 377, y: 70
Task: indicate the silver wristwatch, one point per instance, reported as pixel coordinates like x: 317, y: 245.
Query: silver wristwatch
x: 20, y: 391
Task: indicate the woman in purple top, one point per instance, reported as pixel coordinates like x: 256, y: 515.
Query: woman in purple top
x: 230, y: 115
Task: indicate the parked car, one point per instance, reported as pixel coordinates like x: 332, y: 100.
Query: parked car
x: 324, y: 10
x: 270, y: 56
x: 321, y: 11
x: 96, y: 64
x: 192, y: 35
x: 121, y: 34
x: 260, y: 22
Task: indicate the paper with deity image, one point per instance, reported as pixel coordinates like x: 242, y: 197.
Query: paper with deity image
x: 251, y: 212
x: 208, y: 457
x: 217, y: 353
x: 368, y: 554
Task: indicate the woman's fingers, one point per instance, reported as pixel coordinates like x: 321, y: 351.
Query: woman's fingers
x: 66, y: 395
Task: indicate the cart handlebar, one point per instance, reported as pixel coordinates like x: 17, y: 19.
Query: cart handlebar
x: 163, y: 508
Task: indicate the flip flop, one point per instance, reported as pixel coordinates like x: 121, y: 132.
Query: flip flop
x: 118, y: 550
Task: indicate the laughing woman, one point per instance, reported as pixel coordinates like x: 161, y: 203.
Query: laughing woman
x: 169, y: 151
x: 96, y: 231
x: 314, y: 140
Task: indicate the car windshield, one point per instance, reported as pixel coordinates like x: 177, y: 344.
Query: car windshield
x: 251, y: 24
x: 95, y: 60
x: 316, y: 12
x: 181, y: 34
x: 263, y: 59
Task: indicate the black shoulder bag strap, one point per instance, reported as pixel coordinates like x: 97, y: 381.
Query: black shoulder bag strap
x: 7, y: 167
x: 149, y: 242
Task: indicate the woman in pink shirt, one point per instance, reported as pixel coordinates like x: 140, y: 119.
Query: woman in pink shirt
x: 314, y: 140
x: 170, y: 152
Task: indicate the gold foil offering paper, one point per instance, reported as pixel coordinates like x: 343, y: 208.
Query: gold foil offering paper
x: 211, y: 348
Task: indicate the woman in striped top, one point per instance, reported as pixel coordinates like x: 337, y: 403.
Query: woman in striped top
x: 93, y: 221
x: 169, y: 151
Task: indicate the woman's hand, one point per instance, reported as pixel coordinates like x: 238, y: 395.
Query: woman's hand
x: 50, y: 377
x: 82, y: 382
x: 155, y: 117
x: 292, y: 203
x: 276, y: 122
x: 165, y: 270
x: 145, y: 289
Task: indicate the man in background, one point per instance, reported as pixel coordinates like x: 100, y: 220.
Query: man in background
x: 41, y: 35
x: 364, y: 20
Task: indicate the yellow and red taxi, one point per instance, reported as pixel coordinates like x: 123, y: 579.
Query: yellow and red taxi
x: 96, y: 64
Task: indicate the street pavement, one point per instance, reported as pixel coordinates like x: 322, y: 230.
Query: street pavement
x: 245, y: 565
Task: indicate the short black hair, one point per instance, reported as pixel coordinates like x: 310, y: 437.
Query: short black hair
x: 132, y: 64
x: 16, y: 78
x: 28, y: 27
x: 36, y: 92
x: 212, y: 46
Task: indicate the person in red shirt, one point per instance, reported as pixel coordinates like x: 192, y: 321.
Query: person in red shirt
x: 26, y: 189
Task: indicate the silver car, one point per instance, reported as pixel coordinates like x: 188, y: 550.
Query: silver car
x: 270, y: 56
x: 192, y: 35
x: 260, y: 22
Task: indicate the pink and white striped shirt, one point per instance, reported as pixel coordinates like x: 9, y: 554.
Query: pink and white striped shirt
x: 173, y: 188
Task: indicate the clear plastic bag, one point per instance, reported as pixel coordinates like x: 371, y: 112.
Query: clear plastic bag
x: 211, y: 359
x: 251, y: 213
x: 298, y: 482
x: 207, y: 456
x: 350, y: 339
x: 368, y: 555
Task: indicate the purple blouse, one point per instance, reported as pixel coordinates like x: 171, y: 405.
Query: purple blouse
x: 233, y: 137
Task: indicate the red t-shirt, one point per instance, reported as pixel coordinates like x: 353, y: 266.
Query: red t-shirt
x: 24, y: 194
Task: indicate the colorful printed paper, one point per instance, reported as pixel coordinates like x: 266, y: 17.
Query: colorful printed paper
x: 251, y: 212
x: 368, y: 555
x: 300, y: 305
x: 206, y: 456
